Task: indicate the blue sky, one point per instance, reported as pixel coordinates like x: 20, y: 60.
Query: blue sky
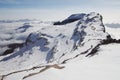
x: 51, y: 9
x: 57, y: 3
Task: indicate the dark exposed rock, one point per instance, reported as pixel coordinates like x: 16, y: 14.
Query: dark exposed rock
x: 108, y: 41
x: 93, y: 51
x: 103, y: 42
x: 24, y: 27
x: 72, y: 18
x: 65, y: 21
x: 57, y: 23
x: 12, y: 47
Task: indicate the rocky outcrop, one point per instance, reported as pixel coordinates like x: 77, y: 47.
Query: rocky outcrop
x: 72, y: 18
x: 11, y: 48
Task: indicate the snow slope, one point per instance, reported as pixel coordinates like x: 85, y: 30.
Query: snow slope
x: 44, y: 44
x: 104, y: 66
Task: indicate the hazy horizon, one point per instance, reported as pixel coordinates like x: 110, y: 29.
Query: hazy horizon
x: 58, y: 9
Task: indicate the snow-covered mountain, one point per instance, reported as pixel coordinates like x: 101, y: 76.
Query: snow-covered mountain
x: 46, y: 45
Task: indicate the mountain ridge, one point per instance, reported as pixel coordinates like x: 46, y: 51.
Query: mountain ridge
x: 59, y: 43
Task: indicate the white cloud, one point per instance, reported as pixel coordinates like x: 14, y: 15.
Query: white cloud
x: 109, y: 15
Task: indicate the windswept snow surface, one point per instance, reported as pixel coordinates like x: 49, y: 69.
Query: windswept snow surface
x: 48, y: 44
x: 103, y: 66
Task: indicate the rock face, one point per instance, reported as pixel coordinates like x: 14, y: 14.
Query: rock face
x: 77, y: 35
x: 72, y: 18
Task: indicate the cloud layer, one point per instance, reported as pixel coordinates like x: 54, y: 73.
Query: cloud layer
x: 58, y: 9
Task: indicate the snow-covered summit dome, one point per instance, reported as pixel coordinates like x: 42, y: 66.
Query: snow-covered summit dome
x: 58, y: 43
